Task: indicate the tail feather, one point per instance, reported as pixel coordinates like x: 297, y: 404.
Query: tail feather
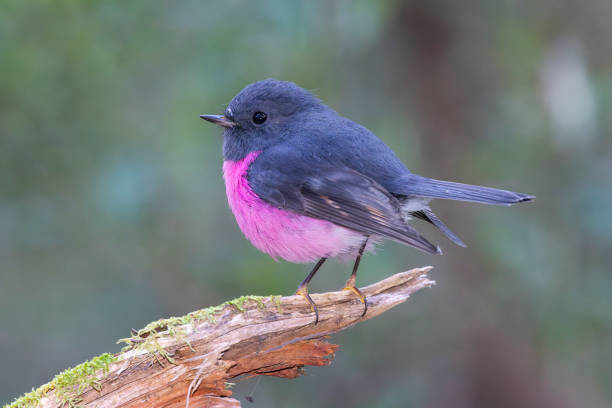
x: 425, y: 187
x: 427, y: 215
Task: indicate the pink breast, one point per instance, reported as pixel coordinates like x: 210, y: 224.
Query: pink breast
x: 280, y: 233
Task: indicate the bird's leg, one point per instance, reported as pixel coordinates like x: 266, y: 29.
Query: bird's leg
x: 302, y: 290
x: 350, y: 283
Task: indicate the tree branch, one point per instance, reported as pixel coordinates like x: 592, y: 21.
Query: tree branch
x: 188, y: 360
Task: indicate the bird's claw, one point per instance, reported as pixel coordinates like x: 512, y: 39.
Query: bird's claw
x: 350, y: 286
x: 303, y: 292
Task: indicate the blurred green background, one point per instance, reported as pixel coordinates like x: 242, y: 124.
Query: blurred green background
x: 113, y: 211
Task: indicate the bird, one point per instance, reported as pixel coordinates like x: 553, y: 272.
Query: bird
x: 306, y: 184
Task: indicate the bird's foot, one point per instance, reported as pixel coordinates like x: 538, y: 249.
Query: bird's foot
x: 350, y: 286
x: 303, y: 292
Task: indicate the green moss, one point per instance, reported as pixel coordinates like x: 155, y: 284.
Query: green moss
x: 69, y: 383
x: 277, y: 302
x: 239, y: 303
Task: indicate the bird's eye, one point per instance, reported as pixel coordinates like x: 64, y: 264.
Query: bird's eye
x: 259, y: 118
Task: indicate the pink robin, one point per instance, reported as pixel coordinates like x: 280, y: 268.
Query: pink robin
x: 306, y: 184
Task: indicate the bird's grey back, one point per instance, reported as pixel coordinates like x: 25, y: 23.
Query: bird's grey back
x: 330, y: 138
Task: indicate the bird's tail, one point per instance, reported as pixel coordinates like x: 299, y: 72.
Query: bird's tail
x: 425, y: 187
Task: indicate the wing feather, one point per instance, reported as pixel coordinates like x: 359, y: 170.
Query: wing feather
x: 352, y: 200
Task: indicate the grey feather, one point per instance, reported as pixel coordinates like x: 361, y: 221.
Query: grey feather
x: 419, y: 186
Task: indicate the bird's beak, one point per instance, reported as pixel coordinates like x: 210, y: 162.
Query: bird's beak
x: 219, y: 120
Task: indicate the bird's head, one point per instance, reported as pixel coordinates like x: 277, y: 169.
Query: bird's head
x: 262, y: 114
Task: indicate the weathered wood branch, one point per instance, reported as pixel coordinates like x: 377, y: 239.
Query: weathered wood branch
x: 189, y: 360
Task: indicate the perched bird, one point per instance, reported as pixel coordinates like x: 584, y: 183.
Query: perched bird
x: 306, y: 184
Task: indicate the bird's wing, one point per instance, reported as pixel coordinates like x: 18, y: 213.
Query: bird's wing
x: 340, y: 195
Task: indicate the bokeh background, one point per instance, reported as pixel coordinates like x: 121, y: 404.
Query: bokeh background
x: 113, y: 212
